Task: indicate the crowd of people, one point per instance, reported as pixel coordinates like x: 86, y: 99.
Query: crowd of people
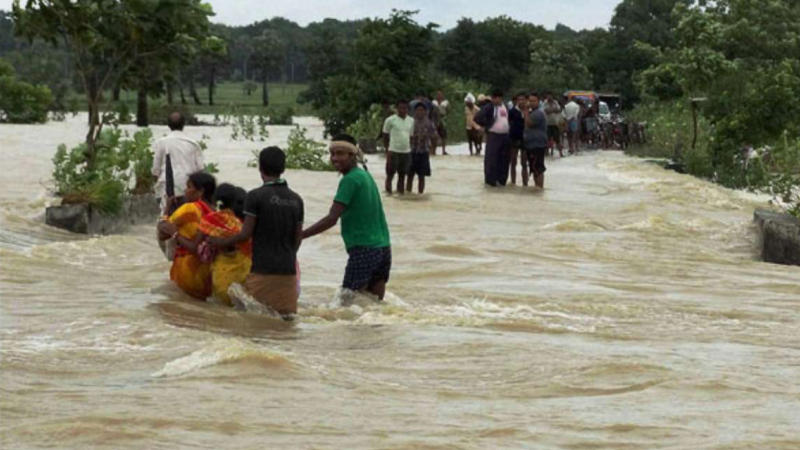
x: 224, y: 242
x: 227, y: 243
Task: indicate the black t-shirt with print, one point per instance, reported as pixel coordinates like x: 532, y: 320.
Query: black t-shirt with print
x: 278, y: 211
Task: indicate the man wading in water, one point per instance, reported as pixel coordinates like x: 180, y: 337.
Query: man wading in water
x: 274, y: 219
x: 364, y: 229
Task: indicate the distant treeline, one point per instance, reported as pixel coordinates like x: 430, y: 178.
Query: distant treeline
x: 497, y: 52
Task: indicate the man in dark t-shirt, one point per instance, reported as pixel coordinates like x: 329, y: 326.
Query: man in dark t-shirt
x: 274, y: 219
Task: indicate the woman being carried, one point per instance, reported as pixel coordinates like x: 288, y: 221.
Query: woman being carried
x: 191, y: 274
x: 230, y: 264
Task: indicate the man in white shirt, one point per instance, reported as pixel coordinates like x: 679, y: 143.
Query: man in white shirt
x: 494, y: 118
x: 571, y: 112
x: 186, y: 157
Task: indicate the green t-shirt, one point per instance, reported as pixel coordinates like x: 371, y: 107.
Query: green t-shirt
x: 399, y: 131
x: 363, y: 221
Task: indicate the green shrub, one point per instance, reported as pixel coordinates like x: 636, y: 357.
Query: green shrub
x: 280, y: 115
x: 122, y: 165
x: 303, y: 152
x: 22, y: 102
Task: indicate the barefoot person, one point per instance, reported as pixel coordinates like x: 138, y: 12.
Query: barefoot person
x: 535, y: 139
x: 274, y: 220
x: 516, y: 121
x: 423, y: 141
x: 397, y: 140
x: 442, y: 107
x: 364, y: 229
x: 474, y: 136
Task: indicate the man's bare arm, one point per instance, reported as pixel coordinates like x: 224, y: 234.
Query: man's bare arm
x: 326, y: 222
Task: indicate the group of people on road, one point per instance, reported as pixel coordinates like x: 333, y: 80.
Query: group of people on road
x: 410, y: 136
x: 524, y: 131
x: 224, y: 242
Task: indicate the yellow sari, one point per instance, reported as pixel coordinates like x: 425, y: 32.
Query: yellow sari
x: 231, y: 266
x: 188, y: 272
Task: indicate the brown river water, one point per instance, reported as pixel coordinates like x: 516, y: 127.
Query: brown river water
x: 623, y: 307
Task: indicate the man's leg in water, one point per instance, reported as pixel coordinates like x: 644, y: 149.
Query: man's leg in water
x: 410, y: 182
x: 389, y: 172
x: 513, y: 163
x: 377, y: 288
x: 421, y: 185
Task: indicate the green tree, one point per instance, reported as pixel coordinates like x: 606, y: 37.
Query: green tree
x: 391, y: 60
x: 21, y: 102
x: 123, y: 34
x: 269, y: 55
x: 558, y: 65
x: 494, y: 51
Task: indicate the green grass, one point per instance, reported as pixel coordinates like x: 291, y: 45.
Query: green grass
x: 226, y: 94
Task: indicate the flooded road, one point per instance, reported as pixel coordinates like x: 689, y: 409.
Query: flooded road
x: 623, y: 307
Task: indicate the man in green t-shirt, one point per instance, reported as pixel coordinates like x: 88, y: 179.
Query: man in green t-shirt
x: 397, y: 130
x: 364, y: 229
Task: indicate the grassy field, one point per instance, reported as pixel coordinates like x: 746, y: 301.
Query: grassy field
x: 226, y: 95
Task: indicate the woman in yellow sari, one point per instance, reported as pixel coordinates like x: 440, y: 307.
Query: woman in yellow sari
x: 232, y: 264
x: 191, y: 274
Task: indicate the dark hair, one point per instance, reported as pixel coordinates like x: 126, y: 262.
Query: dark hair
x: 225, y: 196
x: 345, y: 137
x: 520, y: 94
x: 175, y: 121
x: 238, y: 207
x: 534, y: 94
x: 421, y: 105
x: 497, y: 93
x: 402, y: 101
x: 272, y: 161
x: 205, y: 182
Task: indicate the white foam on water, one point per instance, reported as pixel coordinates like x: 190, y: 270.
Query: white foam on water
x: 219, y: 351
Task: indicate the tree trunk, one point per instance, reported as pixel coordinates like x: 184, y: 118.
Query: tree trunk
x: 183, y: 97
x: 115, y: 93
x: 170, y: 97
x: 193, y: 92
x: 264, y: 92
x: 141, y: 107
x: 211, y: 75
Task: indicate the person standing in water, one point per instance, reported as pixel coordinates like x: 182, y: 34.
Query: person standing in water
x: 535, y: 139
x: 442, y: 106
x: 364, y: 228
x: 274, y: 219
x: 423, y: 140
x: 494, y: 118
x: 553, y: 111
x: 474, y: 137
x: 397, y: 140
x: 516, y: 122
x: 186, y: 157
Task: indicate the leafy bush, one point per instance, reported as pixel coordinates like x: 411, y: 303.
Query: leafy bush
x: 280, y: 115
x: 21, y: 102
x: 122, y: 165
x: 302, y: 152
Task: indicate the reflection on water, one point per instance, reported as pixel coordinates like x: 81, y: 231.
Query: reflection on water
x: 623, y: 307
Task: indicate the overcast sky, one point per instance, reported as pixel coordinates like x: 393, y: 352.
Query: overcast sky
x: 577, y: 14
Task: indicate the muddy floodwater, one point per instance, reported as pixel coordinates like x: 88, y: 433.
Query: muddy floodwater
x: 623, y: 307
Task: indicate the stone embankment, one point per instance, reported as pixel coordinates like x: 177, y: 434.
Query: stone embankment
x: 779, y: 236
x: 82, y: 218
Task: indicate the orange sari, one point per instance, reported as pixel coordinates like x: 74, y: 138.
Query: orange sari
x: 188, y: 272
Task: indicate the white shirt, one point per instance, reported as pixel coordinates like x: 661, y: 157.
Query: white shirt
x: 501, y: 120
x: 571, y: 110
x: 442, y: 106
x: 186, y: 158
